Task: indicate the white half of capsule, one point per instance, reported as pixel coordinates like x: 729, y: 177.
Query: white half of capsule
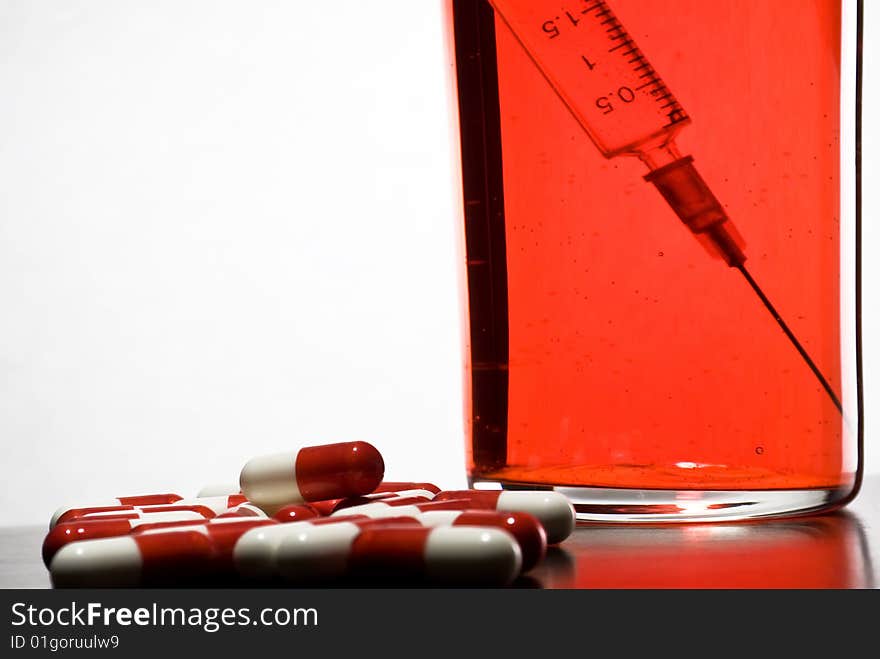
x: 97, y: 563
x: 255, y: 550
x: 316, y: 552
x: 218, y: 504
x: 475, y: 555
x: 269, y: 481
x: 435, y: 518
x: 378, y: 510
x: 218, y: 490
x: 553, y: 509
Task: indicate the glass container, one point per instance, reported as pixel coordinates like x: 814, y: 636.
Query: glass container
x: 661, y: 224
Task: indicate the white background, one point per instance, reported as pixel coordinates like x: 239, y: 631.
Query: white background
x: 228, y: 228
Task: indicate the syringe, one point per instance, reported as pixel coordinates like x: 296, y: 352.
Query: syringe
x: 600, y: 74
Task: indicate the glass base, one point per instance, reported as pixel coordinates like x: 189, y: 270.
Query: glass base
x: 619, y: 505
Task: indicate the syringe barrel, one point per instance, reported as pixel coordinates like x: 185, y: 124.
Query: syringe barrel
x: 595, y: 67
x: 692, y: 200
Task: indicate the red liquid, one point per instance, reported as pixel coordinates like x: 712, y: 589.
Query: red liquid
x: 607, y: 348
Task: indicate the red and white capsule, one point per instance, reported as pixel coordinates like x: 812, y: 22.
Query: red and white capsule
x: 553, y: 510
x: 315, y: 473
x: 152, y: 555
x: 91, y: 529
x: 132, y: 560
x: 224, y: 533
x: 447, y: 555
x: 132, y: 512
x: 409, y: 495
x: 525, y: 528
x: 319, y: 551
x: 394, y: 507
x: 215, y: 505
x: 329, y: 506
x: 255, y: 553
x: 134, y: 500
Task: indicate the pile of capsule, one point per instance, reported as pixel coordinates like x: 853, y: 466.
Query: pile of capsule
x: 320, y: 515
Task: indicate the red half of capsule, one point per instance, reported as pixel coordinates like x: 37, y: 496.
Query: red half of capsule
x: 149, y: 499
x: 325, y: 507
x: 171, y: 551
x: 347, y: 469
x: 385, y: 522
x: 525, y: 528
x: 480, y: 498
x: 78, y: 513
x: 296, y: 513
x: 382, y: 552
x: 350, y: 502
x: 63, y: 534
x: 234, y: 500
x: 175, y: 556
x: 399, y: 486
x: 223, y: 538
x: 425, y: 506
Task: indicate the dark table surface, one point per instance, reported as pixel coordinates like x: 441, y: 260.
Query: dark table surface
x: 839, y: 550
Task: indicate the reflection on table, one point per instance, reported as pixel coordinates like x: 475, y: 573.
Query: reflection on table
x: 827, y: 551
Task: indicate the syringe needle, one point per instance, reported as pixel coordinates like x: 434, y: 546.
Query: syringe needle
x: 742, y: 268
x: 692, y: 200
